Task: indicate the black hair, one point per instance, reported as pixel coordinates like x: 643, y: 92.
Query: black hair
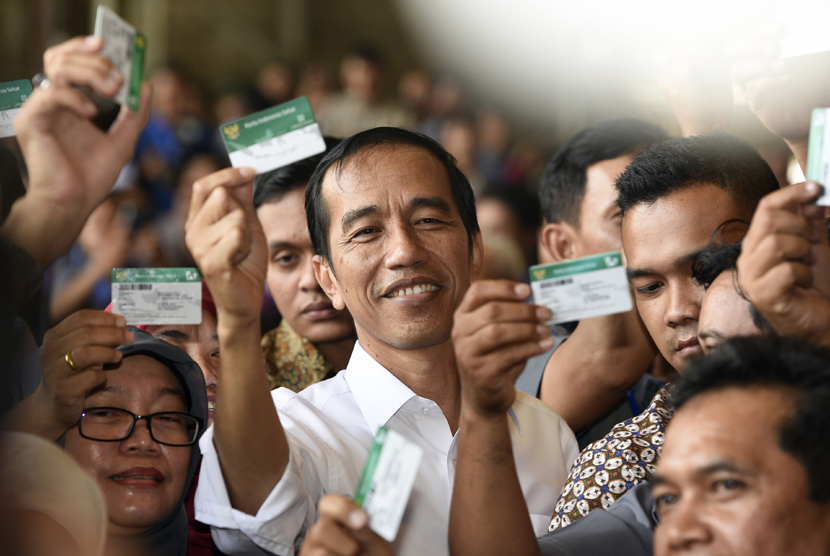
x: 717, y: 159
x: 791, y: 366
x: 272, y: 186
x: 315, y: 207
x: 367, y: 53
x: 563, y: 184
x: 720, y: 256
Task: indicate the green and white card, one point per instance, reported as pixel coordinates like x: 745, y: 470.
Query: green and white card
x: 582, y: 288
x: 273, y: 137
x: 157, y: 295
x: 125, y: 48
x: 12, y: 96
x: 387, y: 481
x: 818, y: 156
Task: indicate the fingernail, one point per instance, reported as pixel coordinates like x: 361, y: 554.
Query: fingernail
x: 546, y: 344
x: 543, y: 313
x: 357, y: 519
x: 811, y: 187
x: 543, y: 331
x: 92, y: 40
x: 120, y: 321
x: 522, y: 290
x: 247, y: 172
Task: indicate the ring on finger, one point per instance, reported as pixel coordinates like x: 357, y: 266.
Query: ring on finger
x: 68, y: 358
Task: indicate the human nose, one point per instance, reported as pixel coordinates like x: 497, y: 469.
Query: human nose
x: 405, y: 248
x: 209, y: 371
x: 308, y: 282
x: 140, y: 439
x: 684, y: 304
x: 681, y: 529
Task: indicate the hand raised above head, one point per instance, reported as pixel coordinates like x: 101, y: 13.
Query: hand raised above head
x: 494, y: 333
x: 784, y: 267
x: 227, y: 242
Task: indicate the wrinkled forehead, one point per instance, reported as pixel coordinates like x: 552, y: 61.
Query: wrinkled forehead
x: 379, y: 162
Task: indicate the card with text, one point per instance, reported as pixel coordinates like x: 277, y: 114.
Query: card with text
x: 125, y: 48
x: 12, y: 96
x: 274, y: 137
x: 818, y: 157
x: 157, y: 295
x: 387, y: 481
x: 582, y: 288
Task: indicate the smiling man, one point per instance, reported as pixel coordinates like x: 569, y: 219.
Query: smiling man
x: 393, y: 222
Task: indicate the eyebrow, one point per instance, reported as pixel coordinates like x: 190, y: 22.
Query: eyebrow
x: 354, y: 215
x: 712, y: 468
x: 171, y: 333
x: 277, y: 245
x: 682, y: 260
x: 436, y: 203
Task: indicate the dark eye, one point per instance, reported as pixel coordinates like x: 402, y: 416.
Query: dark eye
x: 286, y: 259
x: 665, y: 500
x: 215, y: 354
x: 649, y: 288
x: 727, y: 485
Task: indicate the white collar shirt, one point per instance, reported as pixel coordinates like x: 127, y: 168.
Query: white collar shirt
x: 330, y: 426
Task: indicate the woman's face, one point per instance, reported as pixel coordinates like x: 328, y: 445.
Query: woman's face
x: 142, y: 480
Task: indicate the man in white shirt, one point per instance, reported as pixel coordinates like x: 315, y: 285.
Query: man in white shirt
x: 393, y: 222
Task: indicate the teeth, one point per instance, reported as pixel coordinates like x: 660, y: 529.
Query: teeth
x: 211, y: 405
x: 415, y: 290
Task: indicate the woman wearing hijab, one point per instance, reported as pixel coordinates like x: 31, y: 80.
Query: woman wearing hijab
x: 133, y: 427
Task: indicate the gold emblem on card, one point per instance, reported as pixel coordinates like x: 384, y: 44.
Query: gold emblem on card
x: 539, y: 273
x: 231, y: 131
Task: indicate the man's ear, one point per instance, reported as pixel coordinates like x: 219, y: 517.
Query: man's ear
x: 560, y: 242
x: 328, y: 281
x: 476, y: 256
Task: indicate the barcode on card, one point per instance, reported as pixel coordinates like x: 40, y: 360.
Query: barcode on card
x: 554, y: 283
x: 135, y: 286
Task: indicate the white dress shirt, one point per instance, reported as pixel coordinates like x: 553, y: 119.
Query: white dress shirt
x: 330, y: 426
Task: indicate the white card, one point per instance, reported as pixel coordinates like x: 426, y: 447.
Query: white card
x: 582, y: 288
x: 387, y: 481
x: 157, y: 295
x: 125, y: 48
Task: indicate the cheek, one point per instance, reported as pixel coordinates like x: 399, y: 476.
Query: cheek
x: 283, y: 288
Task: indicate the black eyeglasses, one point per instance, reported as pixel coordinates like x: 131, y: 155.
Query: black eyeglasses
x: 111, y: 424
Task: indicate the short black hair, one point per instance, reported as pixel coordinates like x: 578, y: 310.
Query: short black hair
x: 720, y: 256
x: 563, y: 184
x: 792, y: 366
x: 315, y: 207
x: 717, y: 159
x: 523, y: 203
x: 272, y: 186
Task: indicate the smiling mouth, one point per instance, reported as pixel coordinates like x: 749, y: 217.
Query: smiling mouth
x: 414, y: 290
x: 211, y: 405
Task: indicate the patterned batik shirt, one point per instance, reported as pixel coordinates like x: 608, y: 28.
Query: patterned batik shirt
x: 611, y: 466
x: 291, y: 360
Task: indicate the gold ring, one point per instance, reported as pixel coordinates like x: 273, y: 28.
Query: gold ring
x: 69, y: 361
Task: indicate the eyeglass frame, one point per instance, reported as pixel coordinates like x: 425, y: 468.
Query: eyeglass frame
x: 136, y: 419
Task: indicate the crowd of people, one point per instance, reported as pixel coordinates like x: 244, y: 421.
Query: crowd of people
x: 396, y: 261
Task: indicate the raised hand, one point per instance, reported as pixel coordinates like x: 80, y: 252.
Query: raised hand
x: 72, y: 363
x: 784, y: 267
x: 72, y: 164
x: 227, y: 242
x: 494, y: 333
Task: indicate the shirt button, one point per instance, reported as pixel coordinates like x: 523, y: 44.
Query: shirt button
x: 425, y: 411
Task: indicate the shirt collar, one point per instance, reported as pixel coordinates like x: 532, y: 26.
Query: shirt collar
x: 379, y: 394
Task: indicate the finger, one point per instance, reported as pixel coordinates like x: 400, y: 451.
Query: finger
x: 87, y: 317
x: 496, y: 336
x: 228, y: 178
x: 126, y: 128
x: 328, y: 538
x: 219, y: 212
x: 777, y: 285
x: 94, y: 356
x: 517, y: 354
x: 97, y: 336
x: 43, y: 103
x: 776, y: 214
x: 467, y: 324
x: 84, y: 44
x: 750, y: 75
x: 227, y: 252
x: 85, y: 69
x: 483, y: 291
x: 344, y: 511
x: 775, y: 249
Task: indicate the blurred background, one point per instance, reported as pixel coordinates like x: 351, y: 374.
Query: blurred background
x: 500, y: 84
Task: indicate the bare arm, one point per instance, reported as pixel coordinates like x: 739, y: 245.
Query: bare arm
x: 228, y: 244
x: 591, y: 372
x: 494, y: 334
